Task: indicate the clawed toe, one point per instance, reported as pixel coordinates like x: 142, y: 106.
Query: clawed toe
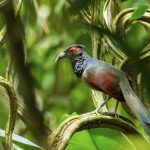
x: 96, y: 111
x: 89, y: 113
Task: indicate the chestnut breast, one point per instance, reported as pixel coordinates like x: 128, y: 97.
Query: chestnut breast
x: 104, y: 79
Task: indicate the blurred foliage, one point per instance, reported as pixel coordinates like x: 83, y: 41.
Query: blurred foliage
x: 50, y: 26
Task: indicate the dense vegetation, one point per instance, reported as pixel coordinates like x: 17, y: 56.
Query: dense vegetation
x: 37, y: 95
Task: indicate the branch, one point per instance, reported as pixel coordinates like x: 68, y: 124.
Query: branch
x: 60, y: 138
x: 43, y: 21
x: 110, y: 11
x: 3, y: 32
x: 97, y: 44
x: 15, y: 37
x: 95, y: 13
x: 21, y: 109
x: 3, y: 3
x: 26, y: 117
x: 12, y: 112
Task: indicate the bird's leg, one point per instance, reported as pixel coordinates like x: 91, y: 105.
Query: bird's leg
x: 116, y: 107
x: 114, y: 113
x: 97, y: 110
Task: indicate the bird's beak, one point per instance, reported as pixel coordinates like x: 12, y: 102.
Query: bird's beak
x: 60, y: 56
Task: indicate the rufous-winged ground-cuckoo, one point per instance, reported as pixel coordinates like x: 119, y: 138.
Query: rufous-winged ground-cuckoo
x: 103, y: 77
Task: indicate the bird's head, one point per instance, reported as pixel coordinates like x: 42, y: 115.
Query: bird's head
x: 71, y: 52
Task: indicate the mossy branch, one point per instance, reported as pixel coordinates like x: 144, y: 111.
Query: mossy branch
x: 60, y: 138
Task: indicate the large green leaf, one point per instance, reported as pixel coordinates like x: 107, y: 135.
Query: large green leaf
x: 82, y: 141
x: 99, y: 139
x: 20, y: 141
x: 138, y: 13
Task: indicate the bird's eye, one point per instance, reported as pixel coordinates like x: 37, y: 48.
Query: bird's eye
x: 74, y: 49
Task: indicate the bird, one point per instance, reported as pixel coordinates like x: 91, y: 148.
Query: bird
x: 100, y: 76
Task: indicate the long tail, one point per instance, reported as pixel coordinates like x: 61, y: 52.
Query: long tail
x: 135, y: 104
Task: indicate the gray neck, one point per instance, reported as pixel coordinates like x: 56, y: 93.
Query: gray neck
x: 79, y: 64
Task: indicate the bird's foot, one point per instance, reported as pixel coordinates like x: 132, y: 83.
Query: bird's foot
x: 88, y: 113
x: 96, y: 111
x: 114, y: 114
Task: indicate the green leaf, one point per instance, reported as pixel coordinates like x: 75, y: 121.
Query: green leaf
x: 82, y: 141
x: 138, y: 42
x: 63, y: 117
x: 99, y: 139
x: 66, y: 116
x: 20, y: 141
x: 138, y: 13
